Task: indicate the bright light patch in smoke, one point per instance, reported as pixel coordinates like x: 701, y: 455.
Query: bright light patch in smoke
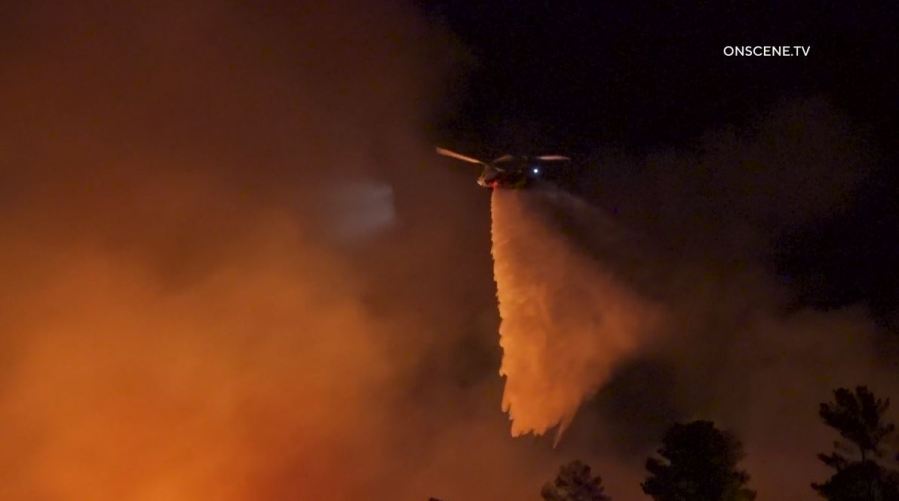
x: 361, y: 208
x: 566, y: 321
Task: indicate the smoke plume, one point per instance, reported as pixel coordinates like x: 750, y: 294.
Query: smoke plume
x: 735, y: 346
x: 209, y: 212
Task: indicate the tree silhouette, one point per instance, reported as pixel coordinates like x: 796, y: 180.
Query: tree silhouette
x: 574, y: 483
x: 699, y: 463
x: 859, y: 418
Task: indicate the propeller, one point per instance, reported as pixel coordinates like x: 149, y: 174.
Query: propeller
x: 553, y: 158
x: 458, y: 156
x: 505, y: 158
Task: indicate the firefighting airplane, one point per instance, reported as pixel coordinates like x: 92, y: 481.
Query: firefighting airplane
x: 507, y: 171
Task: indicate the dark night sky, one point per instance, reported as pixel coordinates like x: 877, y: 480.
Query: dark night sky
x: 647, y: 76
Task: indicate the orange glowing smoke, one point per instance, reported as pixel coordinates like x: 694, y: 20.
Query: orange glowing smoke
x: 125, y: 390
x: 173, y: 324
x: 566, y: 320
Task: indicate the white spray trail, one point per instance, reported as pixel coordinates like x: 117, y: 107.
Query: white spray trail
x: 566, y: 320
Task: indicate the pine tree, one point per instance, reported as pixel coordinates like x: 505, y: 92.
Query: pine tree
x: 698, y: 463
x: 574, y: 483
x: 860, y: 476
